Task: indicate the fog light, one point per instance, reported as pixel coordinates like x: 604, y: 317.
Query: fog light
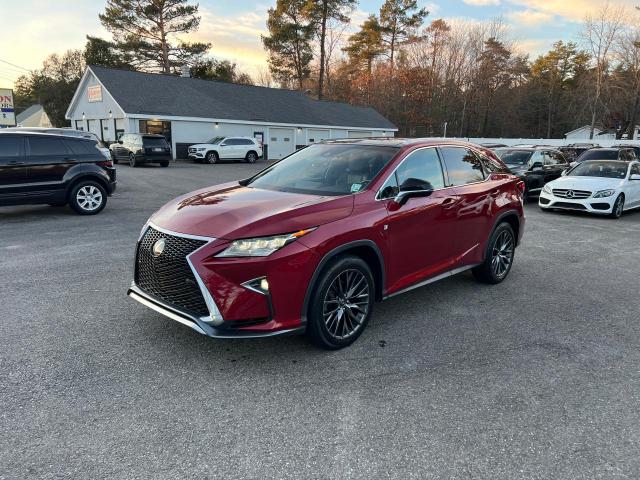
x: 264, y: 285
x: 259, y: 285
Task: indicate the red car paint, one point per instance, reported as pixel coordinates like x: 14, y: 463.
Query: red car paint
x: 417, y: 241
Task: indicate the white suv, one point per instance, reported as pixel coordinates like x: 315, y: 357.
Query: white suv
x: 226, y: 148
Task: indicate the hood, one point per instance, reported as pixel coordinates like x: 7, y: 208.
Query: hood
x: 200, y: 145
x: 585, y: 183
x: 231, y: 211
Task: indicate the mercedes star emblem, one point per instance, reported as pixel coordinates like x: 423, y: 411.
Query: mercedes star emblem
x: 569, y: 193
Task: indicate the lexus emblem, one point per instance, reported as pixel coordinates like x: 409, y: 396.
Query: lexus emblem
x: 569, y: 193
x: 158, y: 247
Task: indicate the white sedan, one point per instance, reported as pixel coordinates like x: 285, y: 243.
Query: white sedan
x: 607, y: 187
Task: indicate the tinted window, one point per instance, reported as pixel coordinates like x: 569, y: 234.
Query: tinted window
x: 548, y: 159
x: 10, y: 146
x: 390, y: 188
x: 462, y: 165
x: 326, y: 169
x: 231, y: 141
x: 47, y: 146
x: 82, y: 147
x: 513, y: 157
x: 635, y: 169
x: 155, y: 142
x: 599, y: 155
x: 490, y: 164
x: 245, y: 141
x: 422, y: 166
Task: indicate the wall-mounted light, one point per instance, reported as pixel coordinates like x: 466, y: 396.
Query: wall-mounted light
x: 83, y: 116
x: 216, y: 124
x: 110, y: 114
x: 299, y: 129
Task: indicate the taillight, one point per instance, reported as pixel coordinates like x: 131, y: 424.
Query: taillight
x: 108, y: 163
x: 520, y: 187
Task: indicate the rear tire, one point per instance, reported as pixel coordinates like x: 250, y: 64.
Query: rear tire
x: 212, y: 157
x: 498, y: 257
x: 88, y: 198
x: 341, y: 303
x: 618, y: 207
x: 164, y: 164
x: 133, y: 161
x: 251, y: 157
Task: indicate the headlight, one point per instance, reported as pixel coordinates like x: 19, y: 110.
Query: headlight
x: 201, y: 149
x: 261, y: 247
x: 547, y: 188
x: 603, y: 193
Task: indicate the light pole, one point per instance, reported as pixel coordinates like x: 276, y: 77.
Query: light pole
x: 445, y: 130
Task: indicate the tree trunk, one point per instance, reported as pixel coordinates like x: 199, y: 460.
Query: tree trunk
x: 323, y: 34
x: 631, y: 128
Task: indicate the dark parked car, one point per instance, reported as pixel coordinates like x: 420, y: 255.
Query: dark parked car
x: 635, y: 148
x: 491, y: 146
x: 139, y: 148
x: 572, y: 151
x: 536, y: 166
x: 40, y: 168
x: 611, y: 153
x: 312, y: 241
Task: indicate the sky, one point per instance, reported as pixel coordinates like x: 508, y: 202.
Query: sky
x: 33, y: 29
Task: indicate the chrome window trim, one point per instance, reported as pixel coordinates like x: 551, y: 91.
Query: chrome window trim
x: 442, y: 165
x: 215, y: 317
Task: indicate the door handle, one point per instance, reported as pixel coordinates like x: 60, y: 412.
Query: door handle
x: 449, y: 201
x: 15, y: 162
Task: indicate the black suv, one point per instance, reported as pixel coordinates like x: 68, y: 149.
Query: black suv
x: 611, y: 153
x: 138, y: 148
x: 53, y: 169
x: 536, y: 166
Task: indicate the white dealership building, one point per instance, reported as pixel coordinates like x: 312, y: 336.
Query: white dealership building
x: 110, y: 102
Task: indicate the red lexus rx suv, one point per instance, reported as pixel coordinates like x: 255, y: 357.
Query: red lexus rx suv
x: 311, y: 242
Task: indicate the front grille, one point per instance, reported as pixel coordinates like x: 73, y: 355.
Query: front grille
x: 168, y: 276
x: 577, y: 194
x: 572, y: 206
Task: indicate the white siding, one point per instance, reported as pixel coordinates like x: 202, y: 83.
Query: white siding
x: 316, y: 135
x: 281, y: 142
x: 359, y: 134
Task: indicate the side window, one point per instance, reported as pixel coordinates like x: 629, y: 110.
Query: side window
x: 635, y: 169
x: 548, y: 158
x: 47, y: 146
x: 491, y: 165
x: 231, y: 141
x: 82, y: 147
x: 421, y: 167
x: 246, y: 141
x: 559, y: 158
x: 462, y: 165
x: 390, y: 188
x: 537, y: 157
x: 10, y: 146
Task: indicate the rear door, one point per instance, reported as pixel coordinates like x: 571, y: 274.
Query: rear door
x: 48, y: 159
x: 13, y: 171
x: 477, y: 193
x: 553, y: 165
x: 420, y: 231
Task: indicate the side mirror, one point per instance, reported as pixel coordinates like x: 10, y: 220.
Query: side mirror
x: 634, y: 176
x: 411, y: 188
x: 536, y: 167
x: 223, y: 144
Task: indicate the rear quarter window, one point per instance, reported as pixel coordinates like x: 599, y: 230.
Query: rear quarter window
x: 10, y: 146
x: 82, y: 147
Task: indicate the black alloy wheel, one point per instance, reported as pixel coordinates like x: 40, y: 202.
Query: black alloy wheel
x: 499, y: 256
x: 618, y: 207
x: 342, y: 303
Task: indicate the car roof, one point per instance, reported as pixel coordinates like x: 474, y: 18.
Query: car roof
x: 43, y: 134
x: 397, y: 142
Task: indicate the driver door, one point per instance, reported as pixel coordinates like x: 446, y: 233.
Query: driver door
x: 420, y: 232
x: 228, y: 148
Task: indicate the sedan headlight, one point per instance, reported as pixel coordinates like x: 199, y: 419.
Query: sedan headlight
x: 547, y: 188
x: 603, y: 193
x: 262, y: 246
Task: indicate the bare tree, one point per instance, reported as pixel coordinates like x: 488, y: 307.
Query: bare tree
x: 599, y: 32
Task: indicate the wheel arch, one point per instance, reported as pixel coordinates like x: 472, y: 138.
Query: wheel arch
x: 512, y: 217
x: 86, y: 176
x: 367, y: 250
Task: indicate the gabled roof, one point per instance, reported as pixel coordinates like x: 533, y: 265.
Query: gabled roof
x: 171, y: 95
x: 22, y: 116
x: 584, y: 127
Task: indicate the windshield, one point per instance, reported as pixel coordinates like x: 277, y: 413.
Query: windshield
x: 600, y: 169
x: 514, y: 157
x: 326, y: 169
x: 215, y: 140
x: 599, y: 155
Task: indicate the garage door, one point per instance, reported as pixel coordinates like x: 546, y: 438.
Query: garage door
x: 316, y: 135
x: 281, y: 143
x: 359, y: 134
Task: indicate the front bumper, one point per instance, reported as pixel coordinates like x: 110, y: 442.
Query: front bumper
x: 196, y: 155
x: 234, y: 308
x: 601, y: 206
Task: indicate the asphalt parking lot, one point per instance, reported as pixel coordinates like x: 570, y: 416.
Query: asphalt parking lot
x: 535, y: 378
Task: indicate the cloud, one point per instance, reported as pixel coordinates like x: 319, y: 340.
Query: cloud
x: 529, y: 18
x: 571, y: 10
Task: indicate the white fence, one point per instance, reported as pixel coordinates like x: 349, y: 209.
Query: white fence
x: 554, y: 142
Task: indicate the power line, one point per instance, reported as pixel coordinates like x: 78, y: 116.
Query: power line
x: 14, y: 65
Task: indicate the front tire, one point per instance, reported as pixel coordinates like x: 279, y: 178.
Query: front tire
x: 164, y: 164
x: 499, y: 256
x: 133, y: 162
x: 342, y: 303
x: 618, y: 207
x: 212, y: 157
x: 88, y: 198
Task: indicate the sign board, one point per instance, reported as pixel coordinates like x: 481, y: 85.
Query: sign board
x: 7, y: 111
x: 94, y: 93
